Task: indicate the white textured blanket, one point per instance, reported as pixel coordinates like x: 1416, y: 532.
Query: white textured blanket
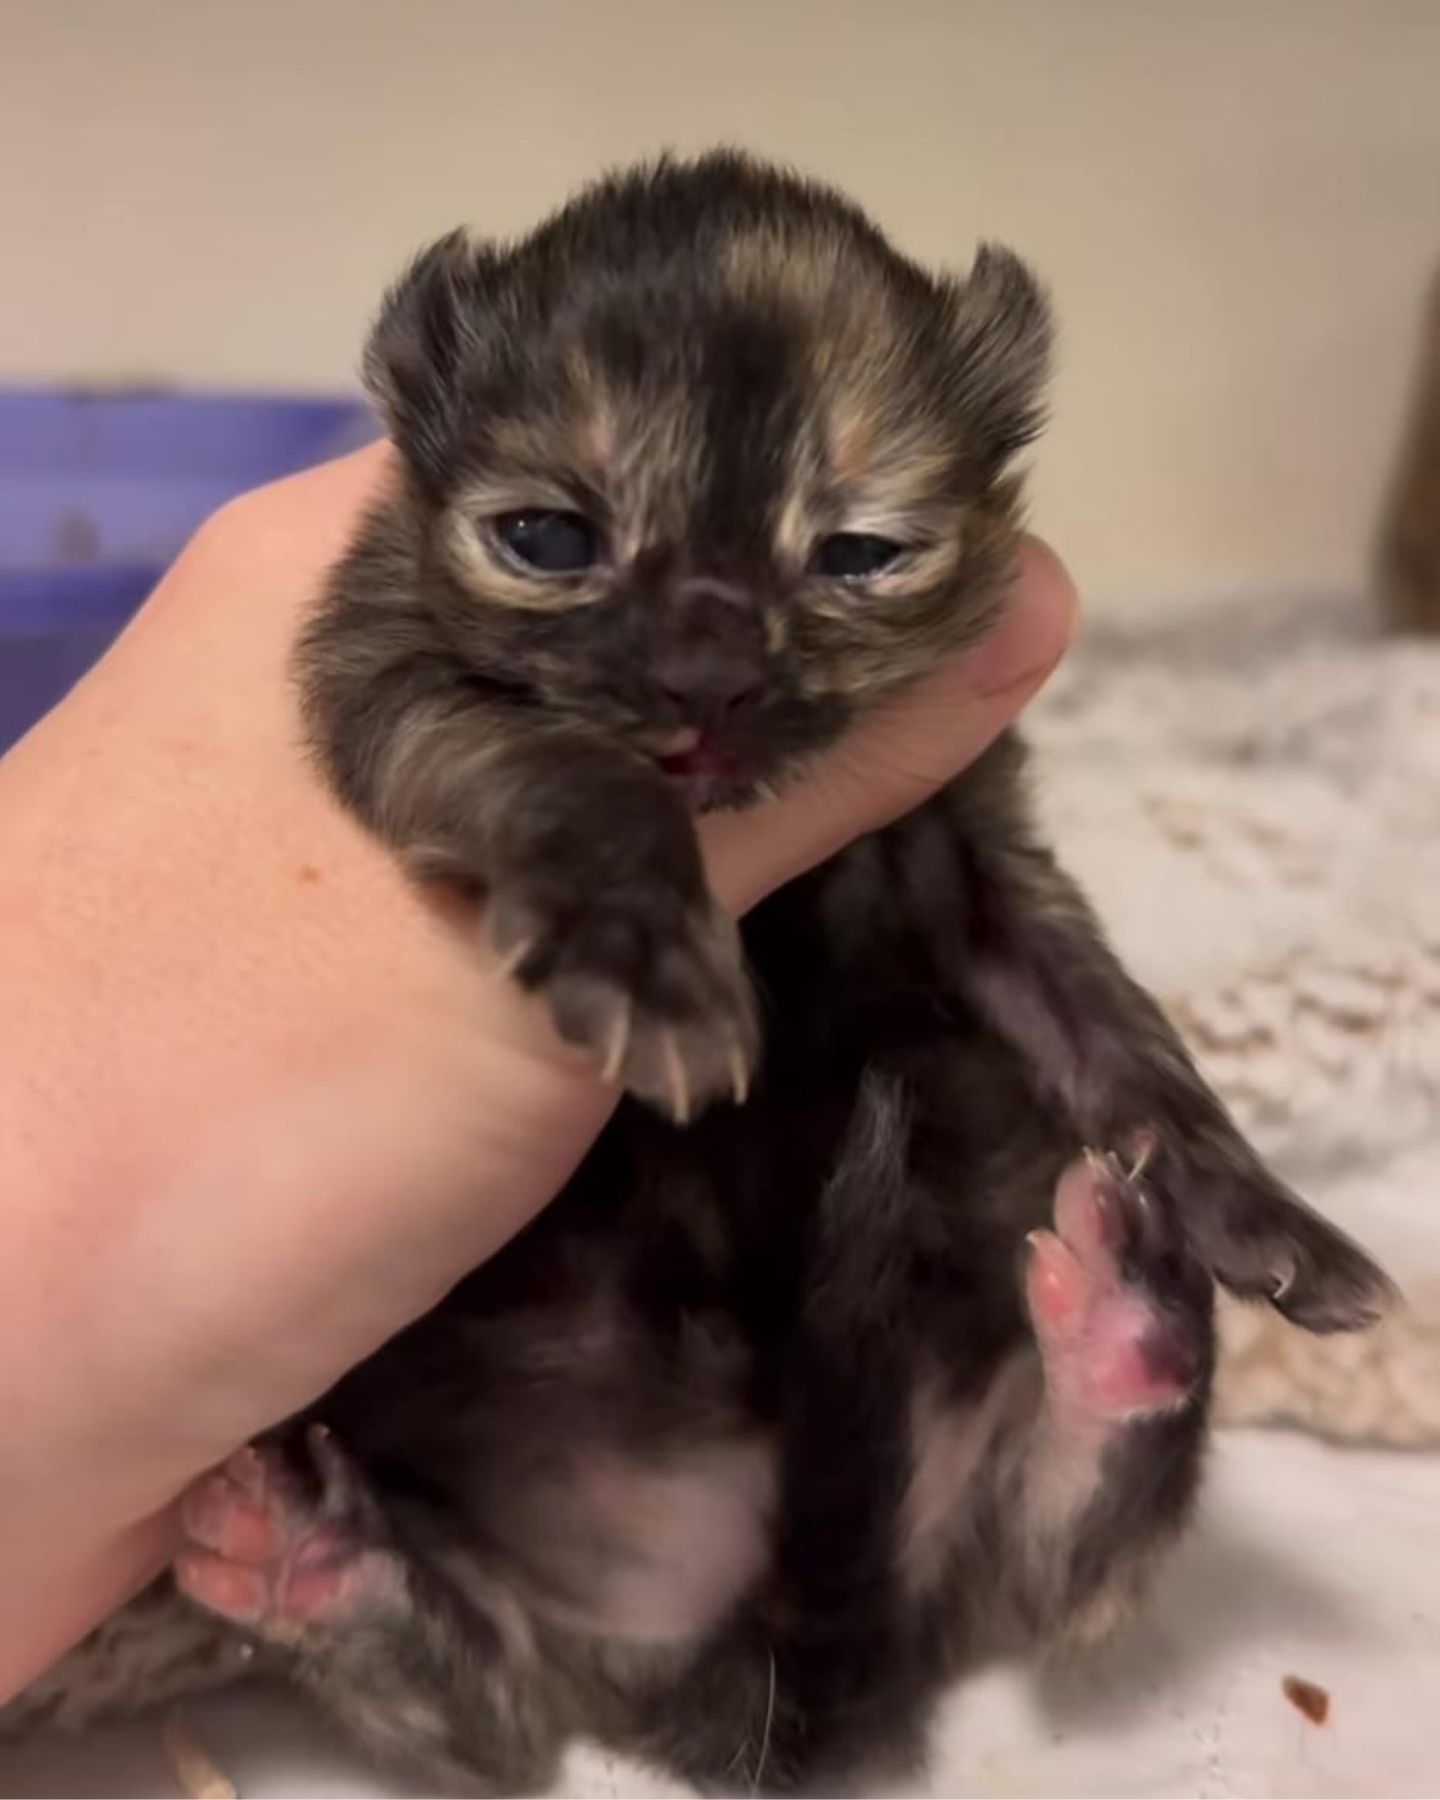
x: 1254, y: 805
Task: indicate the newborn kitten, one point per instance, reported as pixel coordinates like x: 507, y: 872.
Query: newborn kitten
x: 771, y: 1423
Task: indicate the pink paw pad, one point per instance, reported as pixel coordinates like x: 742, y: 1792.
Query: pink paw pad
x: 268, y: 1553
x: 1110, y: 1346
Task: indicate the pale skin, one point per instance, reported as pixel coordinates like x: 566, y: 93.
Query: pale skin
x: 261, y: 1102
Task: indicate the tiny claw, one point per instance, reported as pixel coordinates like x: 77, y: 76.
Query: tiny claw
x: 619, y: 1043
x: 1143, y: 1147
x: 512, y: 959
x: 675, y: 1074
x: 739, y: 1075
x: 1056, y: 1280
x: 331, y: 1467
x: 246, y: 1468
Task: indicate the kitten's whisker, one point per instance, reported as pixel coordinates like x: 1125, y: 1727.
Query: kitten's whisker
x: 765, y: 1734
x: 1145, y: 1143
x: 675, y: 1076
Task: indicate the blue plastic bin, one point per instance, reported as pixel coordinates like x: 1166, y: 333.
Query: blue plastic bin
x: 98, y: 492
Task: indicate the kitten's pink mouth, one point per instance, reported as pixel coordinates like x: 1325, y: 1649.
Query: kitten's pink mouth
x: 693, y: 758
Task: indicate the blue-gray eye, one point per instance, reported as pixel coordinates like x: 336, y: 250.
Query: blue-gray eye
x: 855, y: 555
x: 554, y: 543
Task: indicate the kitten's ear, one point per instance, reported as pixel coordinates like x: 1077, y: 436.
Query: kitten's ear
x: 1002, y: 331
x: 431, y: 322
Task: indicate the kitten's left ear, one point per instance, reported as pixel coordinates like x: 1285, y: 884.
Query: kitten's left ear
x: 1002, y: 331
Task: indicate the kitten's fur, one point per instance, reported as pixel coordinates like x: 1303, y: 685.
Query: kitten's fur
x: 744, y: 1447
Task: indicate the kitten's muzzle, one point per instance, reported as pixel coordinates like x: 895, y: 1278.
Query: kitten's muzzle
x: 708, y: 655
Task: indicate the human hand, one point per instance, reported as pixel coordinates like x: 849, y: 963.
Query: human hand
x: 262, y: 1103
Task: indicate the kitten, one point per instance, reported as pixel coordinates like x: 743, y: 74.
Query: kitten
x: 791, y: 1404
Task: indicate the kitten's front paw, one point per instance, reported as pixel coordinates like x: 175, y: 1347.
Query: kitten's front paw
x: 1257, y: 1239
x: 654, y: 988
x: 1263, y: 1244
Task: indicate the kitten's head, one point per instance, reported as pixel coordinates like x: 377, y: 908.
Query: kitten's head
x: 707, y: 463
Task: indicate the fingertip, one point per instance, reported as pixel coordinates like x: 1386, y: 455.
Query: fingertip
x: 1035, y: 629
x: 908, y: 747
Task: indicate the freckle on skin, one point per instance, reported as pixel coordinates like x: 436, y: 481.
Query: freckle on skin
x: 310, y: 876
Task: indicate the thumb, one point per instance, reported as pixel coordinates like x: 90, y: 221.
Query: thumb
x: 906, y: 749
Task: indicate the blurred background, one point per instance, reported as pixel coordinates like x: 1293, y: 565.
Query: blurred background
x: 1237, y: 205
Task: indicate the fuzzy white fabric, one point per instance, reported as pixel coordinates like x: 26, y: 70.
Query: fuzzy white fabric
x: 1253, y: 801
x: 1255, y: 810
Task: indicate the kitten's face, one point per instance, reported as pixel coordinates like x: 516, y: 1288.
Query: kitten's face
x: 707, y: 464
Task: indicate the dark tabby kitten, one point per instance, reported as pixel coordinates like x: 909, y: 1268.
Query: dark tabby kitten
x: 762, y: 1430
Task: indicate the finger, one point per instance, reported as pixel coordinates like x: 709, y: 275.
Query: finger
x: 906, y: 749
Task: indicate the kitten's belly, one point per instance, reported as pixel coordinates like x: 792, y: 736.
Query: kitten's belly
x: 657, y: 1551
x: 651, y: 1552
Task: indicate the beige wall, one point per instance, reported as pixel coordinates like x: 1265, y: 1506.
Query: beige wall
x: 1236, y: 204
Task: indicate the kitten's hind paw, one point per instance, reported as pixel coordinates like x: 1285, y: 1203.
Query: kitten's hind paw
x: 283, y: 1556
x: 1121, y: 1312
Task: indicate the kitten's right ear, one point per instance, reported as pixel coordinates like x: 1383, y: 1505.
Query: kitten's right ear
x: 429, y: 326
x: 1002, y: 331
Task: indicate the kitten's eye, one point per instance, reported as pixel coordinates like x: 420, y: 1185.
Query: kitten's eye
x: 856, y: 555
x: 555, y: 543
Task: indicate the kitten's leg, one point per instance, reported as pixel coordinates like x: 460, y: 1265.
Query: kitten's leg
x: 153, y: 1650
x: 1031, y: 956
x: 1106, y: 1469
x: 584, y: 853
x: 424, y: 1678
x: 812, y: 1688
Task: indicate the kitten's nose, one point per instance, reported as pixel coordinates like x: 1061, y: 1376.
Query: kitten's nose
x: 706, y: 681
x: 711, y: 657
